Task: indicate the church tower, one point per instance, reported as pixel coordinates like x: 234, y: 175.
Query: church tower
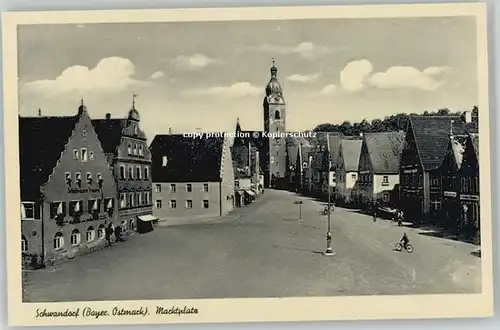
x: 274, y: 127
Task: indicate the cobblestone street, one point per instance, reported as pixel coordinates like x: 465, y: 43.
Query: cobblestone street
x: 264, y: 250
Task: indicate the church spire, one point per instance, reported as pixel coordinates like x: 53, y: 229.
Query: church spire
x: 274, y: 87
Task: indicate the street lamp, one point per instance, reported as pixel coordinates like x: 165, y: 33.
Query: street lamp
x: 329, y: 251
x: 300, y: 208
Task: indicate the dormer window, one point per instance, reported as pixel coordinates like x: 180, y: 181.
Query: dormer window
x: 164, y: 161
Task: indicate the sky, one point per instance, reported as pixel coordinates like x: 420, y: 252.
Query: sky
x: 204, y: 75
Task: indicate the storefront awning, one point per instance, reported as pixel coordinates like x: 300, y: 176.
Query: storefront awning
x: 251, y: 193
x: 147, y: 217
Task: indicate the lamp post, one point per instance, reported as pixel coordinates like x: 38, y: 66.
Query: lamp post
x: 329, y: 251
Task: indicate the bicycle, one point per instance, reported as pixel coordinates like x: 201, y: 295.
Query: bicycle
x: 399, y: 247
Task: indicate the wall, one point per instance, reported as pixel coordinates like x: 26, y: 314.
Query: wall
x: 379, y: 189
x: 181, y: 195
x: 56, y: 189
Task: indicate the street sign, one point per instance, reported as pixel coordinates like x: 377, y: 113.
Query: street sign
x: 298, y: 202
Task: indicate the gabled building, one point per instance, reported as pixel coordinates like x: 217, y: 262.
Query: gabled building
x: 192, y: 178
x: 329, y: 176
x: 302, y: 167
x: 450, y: 180
x: 425, y: 146
x: 379, y: 168
x: 68, y: 193
x: 125, y: 145
x: 347, y: 169
x: 469, y: 186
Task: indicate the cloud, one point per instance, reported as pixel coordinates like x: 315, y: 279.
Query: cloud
x: 407, y: 77
x: 112, y: 74
x: 359, y: 74
x: 192, y: 62
x: 302, y: 78
x: 328, y: 89
x: 304, y: 49
x: 239, y: 89
x: 353, y: 76
x: 157, y: 75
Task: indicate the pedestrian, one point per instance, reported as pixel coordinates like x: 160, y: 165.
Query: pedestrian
x: 118, y: 234
x: 109, y: 232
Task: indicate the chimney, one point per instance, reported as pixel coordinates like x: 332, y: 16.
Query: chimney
x: 108, y: 116
x: 361, y: 134
x: 467, y: 117
x: 39, y: 112
x: 170, y: 130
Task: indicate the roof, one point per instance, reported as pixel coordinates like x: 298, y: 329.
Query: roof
x: 334, y: 146
x: 384, y: 150
x: 351, y: 150
x: 293, y: 143
x: 475, y: 143
x: 109, y: 132
x: 188, y: 159
x: 432, y: 136
x: 41, y: 142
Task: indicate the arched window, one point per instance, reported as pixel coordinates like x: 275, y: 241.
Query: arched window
x: 75, y: 237
x: 24, y: 244
x: 277, y: 114
x: 101, y: 232
x: 90, y: 234
x: 58, y: 241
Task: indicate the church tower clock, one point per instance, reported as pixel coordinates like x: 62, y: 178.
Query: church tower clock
x: 274, y: 128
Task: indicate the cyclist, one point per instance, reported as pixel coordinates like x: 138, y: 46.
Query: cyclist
x: 405, y: 240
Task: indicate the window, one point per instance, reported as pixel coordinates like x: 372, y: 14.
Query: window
x: 205, y: 203
x: 109, y: 203
x: 158, y: 188
x: 138, y: 173
x: 236, y: 183
x: 99, y: 179
x: 76, y: 154
x: 146, y: 173
x: 158, y: 204
x: 189, y: 204
x: 24, y: 244
x: 205, y: 187
x: 135, y: 149
x: 141, y: 150
x: 75, y: 207
x: 129, y: 148
x: 385, y: 180
x: 147, y: 200
x: 94, y: 206
x: 122, y: 172
x: 78, y: 178
x: 434, y: 182
x: 436, y: 205
x: 130, y: 173
x: 131, y: 198
x: 277, y: 115
x: 131, y: 225
x: 189, y: 187
x: 173, y: 204
x: 28, y: 210
x: 164, y: 161
x: 84, y: 132
x: 90, y: 234
x: 91, y: 155
x: 89, y: 178
x: 101, y: 232
x: 58, y: 241
x: 139, y: 198
x: 123, y: 200
x: 353, y: 176
x: 84, y: 155
x: 172, y: 188
x: 75, y: 238
x: 385, y: 198
x: 57, y: 208
x: 67, y: 175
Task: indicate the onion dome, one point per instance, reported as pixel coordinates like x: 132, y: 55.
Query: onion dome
x: 274, y: 87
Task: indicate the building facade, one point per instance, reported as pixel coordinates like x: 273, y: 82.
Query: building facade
x: 469, y: 186
x: 125, y: 145
x: 347, y: 170
x: 68, y: 193
x: 450, y: 181
x: 192, y: 178
x: 426, y: 142
x: 379, y: 168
